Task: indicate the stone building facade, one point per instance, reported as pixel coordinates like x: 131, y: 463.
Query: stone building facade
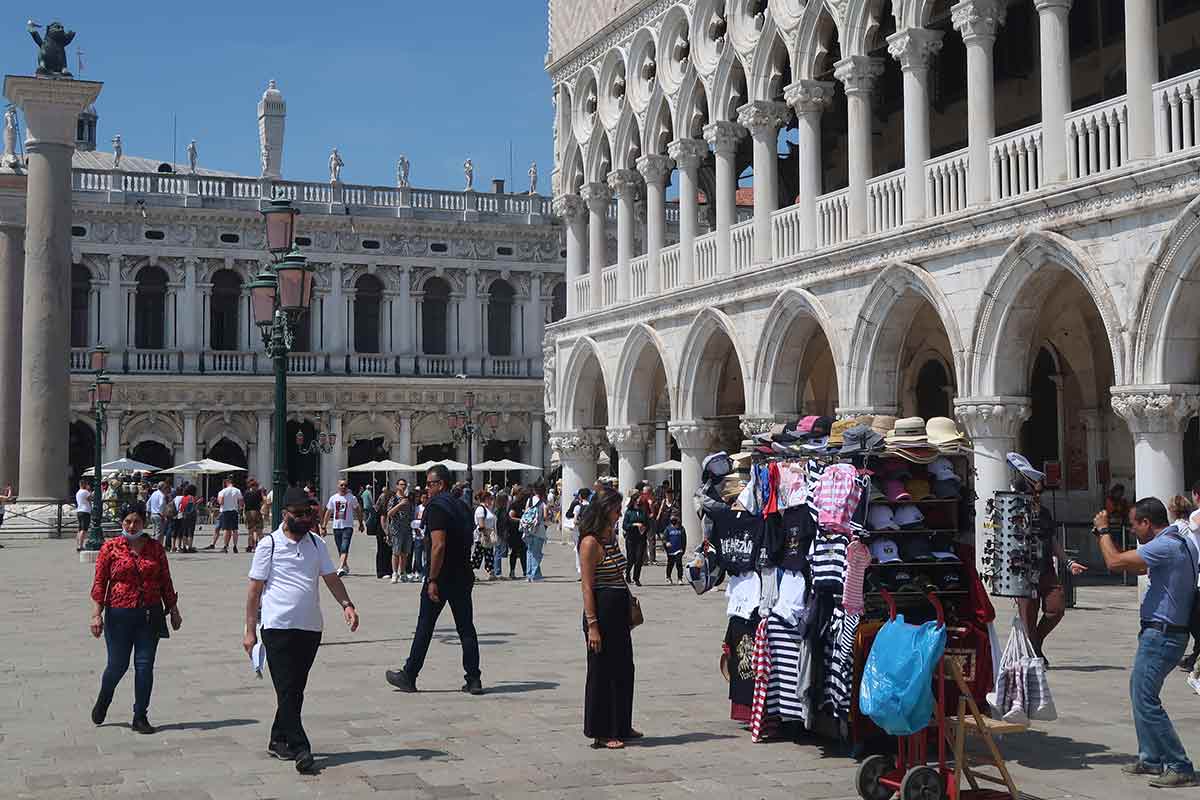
x: 985, y: 209
x: 420, y: 296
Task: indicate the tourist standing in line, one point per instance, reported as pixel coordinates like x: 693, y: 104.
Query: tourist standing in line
x: 344, y: 510
x: 83, y: 511
x: 533, y: 532
x: 501, y: 549
x: 450, y: 580
x: 154, y: 505
x: 285, y: 597
x: 399, y: 516
x: 634, y: 525
x: 252, y: 502
x: 608, y: 696
x: 383, y: 544
x: 485, y: 531
x: 132, y: 595
x: 516, y: 542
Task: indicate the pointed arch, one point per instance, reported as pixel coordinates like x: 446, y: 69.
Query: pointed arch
x: 600, y: 158
x: 795, y: 319
x: 730, y: 88
x: 692, y: 110
x: 572, y: 175
x: 659, y: 129
x: 1014, y: 297
x: 584, y: 354
x: 857, y: 25
x: 627, y: 145
x: 633, y: 384
x: 815, y: 29
x: 770, y: 64
x: 695, y: 392
x: 1162, y: 352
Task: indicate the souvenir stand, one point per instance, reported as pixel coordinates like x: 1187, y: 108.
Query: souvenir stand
x: 824, y: 518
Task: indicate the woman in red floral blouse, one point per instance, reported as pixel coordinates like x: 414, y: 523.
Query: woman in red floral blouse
x: 133, y: 590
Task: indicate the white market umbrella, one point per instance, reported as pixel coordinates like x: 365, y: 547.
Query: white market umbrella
x: 205, y: 466
x: 506, y: 465
x: 387, y: 465
x: 123, y: 465
x: 665, y: 466
x: 370, y: 466
x: 450, y: 464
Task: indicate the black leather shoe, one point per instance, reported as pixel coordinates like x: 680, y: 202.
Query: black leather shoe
x: 281, y: 751
x: 473, y: 686
x: 142, y: 725
x: 1188, y: 662
x: 305, y: 763
x: 100, y: 711
x: 399, y: 678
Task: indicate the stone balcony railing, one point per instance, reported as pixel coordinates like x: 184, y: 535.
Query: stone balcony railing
x: 1097, y: 143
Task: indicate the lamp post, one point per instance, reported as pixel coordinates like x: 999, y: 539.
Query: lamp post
x: 99, y: 396
x: 465, y: 426
x: 280, y: 295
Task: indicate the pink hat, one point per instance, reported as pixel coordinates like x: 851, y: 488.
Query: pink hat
x: 806, y: 424
x: 894, y: 490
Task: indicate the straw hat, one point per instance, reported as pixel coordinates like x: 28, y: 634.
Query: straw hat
x: 883, y: 423
x: 839, y: 428
x: 943, y: 430
x: 909, y: 429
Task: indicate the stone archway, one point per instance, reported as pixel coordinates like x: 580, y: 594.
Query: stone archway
x: 797, y: 365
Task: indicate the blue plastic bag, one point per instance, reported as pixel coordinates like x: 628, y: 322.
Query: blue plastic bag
x: 897, y: 682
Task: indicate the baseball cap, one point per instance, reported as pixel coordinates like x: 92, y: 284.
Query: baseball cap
x: 1021, y: 464
x: 940, y: 469
x: 880, y: 518
x: 945, y: 489
x: 860, y: 438
x: 718, y: 465
x: 909, y: 516
x: 942, y: 548
x: 894, y: 490
x: 885, y: 551
x: 822, y: 426
x: 916, y: 548
x: 294, y: 497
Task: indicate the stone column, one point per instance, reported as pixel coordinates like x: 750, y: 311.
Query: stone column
x: 688, y: 153
x: 577, y: 455
x: 191, y: 322
x: 51, y: 108
x: 630, y: 444
x: 1141, y: 73
x: 763, y: 119
x: 724, y: 136
x: 116, y: 300
x: 334, y: 317
x: 534, y: 322
x: 858, y: 75
x: 977, y: 21
x: 264, y: 447
x: 471, y: 312
x: 402, y: 449
x: 1157, y: 416
x: 190, y: 450
x: 573, y: 211
x: 12, y: 277
x: 1093, y: 425
x: 809, y: 98
x: 1056, y: 86
x: 661, y: 451
x: 624, y: 183
x: 695, y: 440
x: 993, y: 424
x: 655, y: 170
x: 537, y: 447
x: 112, y: 436
x: 913, y: 49
x: 597, y: 197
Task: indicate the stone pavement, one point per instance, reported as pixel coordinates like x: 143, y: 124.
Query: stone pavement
x: 522, y: 740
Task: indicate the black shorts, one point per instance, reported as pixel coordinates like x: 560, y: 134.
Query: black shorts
x: 85, y: 519
x: 228, y: 521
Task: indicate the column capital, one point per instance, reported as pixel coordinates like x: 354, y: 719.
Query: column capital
x: 630, y: 438
x: 1158, y: 408
x: 655, y: 169
x: 723, y: 136
x: 808, y: 96
x: 625, y: 182
x: 992, y: 417
x: 570, y: 207
x: 597, y: 196
x: 572, y: 445
x: 1053, y: 6
x: 852, y: 412
x: 858, y: 73
x: 693, y: 434
x: 753, y: 425
x: 688, y: 153
x: 914, y: 47
x: 764, y: 118
x: 51, y: 106
x: 978, y: 19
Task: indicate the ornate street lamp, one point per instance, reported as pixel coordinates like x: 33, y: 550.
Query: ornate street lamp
x: 279, y: 296
x: 99, y: 396
x: 464, y: 425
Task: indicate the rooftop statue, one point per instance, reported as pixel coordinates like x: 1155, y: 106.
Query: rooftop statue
x: 52, y: 50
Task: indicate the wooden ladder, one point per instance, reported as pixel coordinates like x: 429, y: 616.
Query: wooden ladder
x: 975, y: 723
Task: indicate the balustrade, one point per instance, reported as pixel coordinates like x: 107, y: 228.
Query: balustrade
x: 637, y: 269
x: 608, y: 284
x: 668, y: 268
x: 885, y: 198
x: 833, y: 217
x: 373, y: 364
x: 785, y: 229
x: 583, y: 294
x: 443, y: 366
x: 1097, y: 138
x: 505, y: 367
x: 231, y: 362
x: 706, y: 256
x: 947, y: 178
x: 742, y: 245
x: 1016, y: 163
x: 79, y: 359
x: 1177, y: 113
x: 306, y: 363
x: 153, y: 361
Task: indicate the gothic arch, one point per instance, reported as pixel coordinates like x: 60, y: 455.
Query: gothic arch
x: 1164, y: 350
x: 600, y: 158
x: 859, y: 19
x: 162, y: 427
x: 633, y: 384
x: 692, y: 110
x: 770, y: 61
x: 368, y: 425
x: 628, y: 142
x: 1012, y: 300
x: 659, y: 129
x: 784, y: 345
x: 240, y: 428
x: 572, y: 175
x: 694, y: 357
x: 731, y: 87
x: 879, y: 333
x: 571, y: 401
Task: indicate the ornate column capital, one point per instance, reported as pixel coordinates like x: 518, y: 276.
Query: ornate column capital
x: 688, y: 153
x: 978, y: 19
x: 809, y: 96
x: 992, y: 417
x: 851, y: 412
x: 723, y: 136
x: 597, y: 196
x: 625, y: 183
x: 632, y: 438
x: 858, y: 73
x: 570, y: 207
x: 1159, y: 408
x: 752, y: 426
x: 914, y: 47
x: 572, y: 445
x: 693, y: 434
x: 655, y: 169
x: 764, y: 118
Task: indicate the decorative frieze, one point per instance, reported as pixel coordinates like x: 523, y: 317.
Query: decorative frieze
x: 992, y: 417
x: 1156, y: 409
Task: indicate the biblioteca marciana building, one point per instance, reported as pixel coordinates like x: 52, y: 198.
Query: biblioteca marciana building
x: 985, y: 210
x: 420, y: 296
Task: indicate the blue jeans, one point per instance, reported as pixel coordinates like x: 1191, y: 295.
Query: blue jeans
x: 341, y: 537
x: 126, y: 630
x: 499, y: 553
x: 533, y: 557
x: 418, y: 558
x: 1157, y: 657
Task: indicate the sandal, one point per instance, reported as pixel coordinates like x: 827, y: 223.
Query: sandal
x: 614, y: 744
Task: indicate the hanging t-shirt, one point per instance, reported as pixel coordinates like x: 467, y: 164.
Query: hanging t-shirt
x: 738, y: 536
x: 828, y: 561
x: 796, y: 533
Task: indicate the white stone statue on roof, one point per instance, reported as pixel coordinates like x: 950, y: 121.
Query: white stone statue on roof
x: 533, y: 176
x: 335, y: 166
x: 117, y: 151
x: 402, y: 167
x: 469, y: 172
x: 9, y: 158
x: 192, y: 155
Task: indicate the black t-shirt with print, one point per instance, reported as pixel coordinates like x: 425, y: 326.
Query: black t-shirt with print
x: 445, y: 513
x: 738, y: 536
x: 796, y: 531
x: 253, y: 498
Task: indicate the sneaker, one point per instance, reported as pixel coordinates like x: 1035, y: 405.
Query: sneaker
x: 305, y: 763
x: 1170, y: 779
x: 399, y: 678
x: 211, y: 547
x: 395, y: 579
x: 403, y: 579
x: 281, y: 751
x: 1140, y: 767
x: 1188, y: 662
x: 142, y: 725
x: 342, y: 571
x: 473, y: 686
x: 670, y: 582
x: 235, y: 549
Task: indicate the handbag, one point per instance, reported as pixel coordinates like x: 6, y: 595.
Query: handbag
x: 158, y: 618
x: 635, y: 612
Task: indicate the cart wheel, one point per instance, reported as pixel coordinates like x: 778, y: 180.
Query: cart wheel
x: 921, y: 783
x: 867, y: 779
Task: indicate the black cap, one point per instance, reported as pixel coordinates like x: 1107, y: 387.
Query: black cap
x: 295, y: 496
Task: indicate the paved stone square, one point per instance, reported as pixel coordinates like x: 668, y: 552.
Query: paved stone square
x: 523, y: 739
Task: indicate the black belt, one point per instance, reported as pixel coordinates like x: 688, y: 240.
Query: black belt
x: 1163, y: 627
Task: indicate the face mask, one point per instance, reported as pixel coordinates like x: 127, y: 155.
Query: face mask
x: 299, y: 526
x: 130, y: 538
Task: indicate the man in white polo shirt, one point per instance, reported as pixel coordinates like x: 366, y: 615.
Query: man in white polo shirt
x: 283, y: 583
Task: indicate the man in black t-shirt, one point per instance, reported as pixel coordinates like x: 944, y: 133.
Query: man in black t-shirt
x: 253, y: 501
x: 449, y: 579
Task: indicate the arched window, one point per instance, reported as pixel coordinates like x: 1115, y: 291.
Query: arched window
x: 81, y: 294
x: 932, y: 398
x: 500, y: 327
x: 223, y: 310
x: 434, y: 317
x: 150, y: 310
x: 368, y: 302
x: 558, y: 307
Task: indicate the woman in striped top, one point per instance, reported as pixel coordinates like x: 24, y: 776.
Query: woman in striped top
x: 608, y: 697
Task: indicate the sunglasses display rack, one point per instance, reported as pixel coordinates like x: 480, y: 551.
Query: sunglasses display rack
x: 1010, y: 548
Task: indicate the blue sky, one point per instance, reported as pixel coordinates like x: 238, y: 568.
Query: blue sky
x: 437, y: 81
